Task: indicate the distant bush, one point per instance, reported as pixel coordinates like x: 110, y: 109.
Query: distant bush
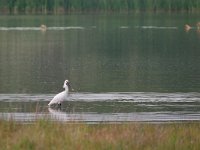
x: 65, y: 6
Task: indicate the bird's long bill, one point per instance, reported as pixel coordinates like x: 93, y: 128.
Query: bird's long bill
x: 70, y: 87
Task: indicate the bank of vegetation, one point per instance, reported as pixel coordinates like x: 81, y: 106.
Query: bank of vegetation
x: 43, y: 135
x: 67, y: 6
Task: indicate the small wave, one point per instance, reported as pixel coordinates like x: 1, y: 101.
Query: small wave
x: 55, y: 115
x: 65, y: 28
x: 19, y: 28
x: 38, y: 28
x: 156, y: 27
x: 124, y: 27
x: 135, y: 97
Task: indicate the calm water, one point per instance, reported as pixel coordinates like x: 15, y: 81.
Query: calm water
x: 123, y: 67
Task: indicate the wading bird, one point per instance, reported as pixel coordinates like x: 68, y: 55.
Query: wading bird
x: 43, y: 27
x: 198, y: 25
x: 187, y: 27
x: 60, y: 97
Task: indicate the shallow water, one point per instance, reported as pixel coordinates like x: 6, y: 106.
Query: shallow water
x: 103, y: 107
x: 123, y: 67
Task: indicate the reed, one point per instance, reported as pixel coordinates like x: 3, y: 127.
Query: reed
x: 64, y: 6
x: 45, y: 134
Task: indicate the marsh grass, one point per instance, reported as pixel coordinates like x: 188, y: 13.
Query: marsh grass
x: 45, y: 134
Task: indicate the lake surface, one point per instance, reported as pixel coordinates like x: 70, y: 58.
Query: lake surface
x: 103, y: 107
x: 135, y: 67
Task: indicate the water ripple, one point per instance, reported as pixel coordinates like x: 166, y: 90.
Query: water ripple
x: 55, y: 115
x: 103, y: 107
x: 78, y: 28
x: 156, y: 27
x: 39, y: 28
x: 140, y: 97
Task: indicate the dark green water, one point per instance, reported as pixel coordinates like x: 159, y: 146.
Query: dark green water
x: 100, y: 54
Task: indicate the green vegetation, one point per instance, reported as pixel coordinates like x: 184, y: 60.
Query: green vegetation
x: 66, y: 6
x: 50, y: 135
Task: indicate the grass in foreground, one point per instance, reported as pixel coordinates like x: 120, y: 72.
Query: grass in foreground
x: 48, y: 135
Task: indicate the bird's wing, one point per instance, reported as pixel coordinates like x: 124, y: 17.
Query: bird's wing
x: 58, y: 98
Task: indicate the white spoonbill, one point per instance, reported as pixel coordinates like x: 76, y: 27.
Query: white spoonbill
x: 62, y: 95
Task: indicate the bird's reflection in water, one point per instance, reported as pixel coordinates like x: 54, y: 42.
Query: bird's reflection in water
x: 58, y: 114
x: 63, y: 113
x: 55, y: 111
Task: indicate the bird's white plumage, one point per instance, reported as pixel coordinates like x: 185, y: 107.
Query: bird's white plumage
x: 60, y: 97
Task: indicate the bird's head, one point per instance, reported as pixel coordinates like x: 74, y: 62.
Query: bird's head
x: 66, y: 84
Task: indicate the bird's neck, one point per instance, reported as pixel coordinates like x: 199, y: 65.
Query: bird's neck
x: 66, y: 89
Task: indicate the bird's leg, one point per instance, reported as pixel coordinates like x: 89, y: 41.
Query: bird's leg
x: 59, y: 105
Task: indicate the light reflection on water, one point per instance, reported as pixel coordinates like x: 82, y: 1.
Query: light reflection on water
x: 103, y: 107
x: 81, y: 28
x: 38, y: 28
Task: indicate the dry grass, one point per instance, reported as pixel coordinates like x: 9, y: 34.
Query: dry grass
x: 48, y: 135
